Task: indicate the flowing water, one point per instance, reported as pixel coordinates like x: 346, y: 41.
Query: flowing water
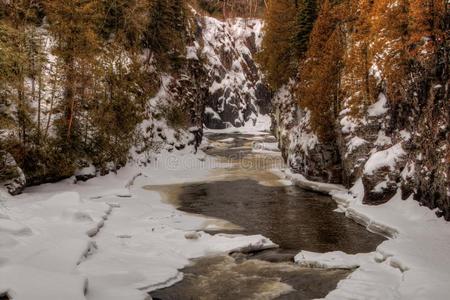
x: 250, y: 196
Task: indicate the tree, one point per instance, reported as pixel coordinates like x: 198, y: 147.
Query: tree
x: 166, y: 32
x: 74, y: 24
x: 304, y: 21
x: 277, y: 56
x: 318, y: 88
x: 124, y: 21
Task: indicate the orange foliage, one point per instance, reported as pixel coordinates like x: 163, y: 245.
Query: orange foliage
x: 319, y: 76
x: 359, y: 48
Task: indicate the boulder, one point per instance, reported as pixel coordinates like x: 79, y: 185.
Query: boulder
x: 11, y: 175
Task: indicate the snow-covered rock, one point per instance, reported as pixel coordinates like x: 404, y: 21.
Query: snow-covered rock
x: 11, y: 175
x: 237, y: 93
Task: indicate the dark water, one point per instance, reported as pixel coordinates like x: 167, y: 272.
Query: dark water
x: 293, y: 218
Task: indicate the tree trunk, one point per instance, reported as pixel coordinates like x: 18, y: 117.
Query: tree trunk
x: 70, y: 96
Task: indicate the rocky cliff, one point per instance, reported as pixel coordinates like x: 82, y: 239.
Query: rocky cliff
x: 237, y: 91
x: 216, y: 84
x: 391, y: 132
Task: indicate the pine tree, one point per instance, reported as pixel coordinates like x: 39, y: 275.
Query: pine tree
x: 75, y: 24
x: 124, y: 20
x: 304, y: 21
x: 166, y: 32
x: 318, y: 89
x: 277, y: 56
x: 157, y: 34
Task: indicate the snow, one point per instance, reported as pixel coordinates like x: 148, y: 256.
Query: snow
x: 226, y: 50
x: 354, y: 143
x: 412, y: 264
x: 302, y: 135
x: 417, y: 247
x: 89, y: 170
x: 191, y: 53
x: 302, y: 182
x: 260, y: 126
x: 228, y: 140
x: 386, y: 158
x: 383, y: 139
x: 268, y: 148
x: 210, y: 111
x: 12, y: 227
x: 378, y: 108
x: 108, y: 238
x: 330, y: 260
x: 348, y: 124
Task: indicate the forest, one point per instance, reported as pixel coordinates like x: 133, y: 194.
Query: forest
x: 312, y: 43
x: 75, y: 77
x: 366, y: 75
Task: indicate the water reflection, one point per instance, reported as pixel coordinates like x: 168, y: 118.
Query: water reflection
x: 291, y: 217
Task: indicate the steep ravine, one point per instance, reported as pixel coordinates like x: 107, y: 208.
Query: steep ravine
x: 217, y: 85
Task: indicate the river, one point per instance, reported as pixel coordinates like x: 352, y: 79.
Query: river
x: 247, y: 194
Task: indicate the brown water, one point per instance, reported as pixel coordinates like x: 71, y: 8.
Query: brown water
x: 250, y: 196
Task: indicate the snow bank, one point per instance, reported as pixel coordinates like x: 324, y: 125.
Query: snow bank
x: 108, y: 238
x: 330, y: 260
x: 302, y: 182
x: 260, y: 126
x: 412, y: 264
x: 386, y: 158
x: 268, y: 148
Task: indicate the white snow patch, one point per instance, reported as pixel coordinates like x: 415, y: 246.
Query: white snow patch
x: 383, y: 139
x: 354, y: 143
x: 378, y: 108
x: 385, y: 158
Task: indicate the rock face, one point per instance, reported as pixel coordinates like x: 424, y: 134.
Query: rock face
x: 218, y: 86
x: 299, y: 145
x: 237, y: 92
x: 175, y: 115
x: 427, y: 172
x: 392, y: 146
x: 11, y: 175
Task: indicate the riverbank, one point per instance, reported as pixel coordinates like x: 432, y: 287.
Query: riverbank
x: 412, y: 264
x: 107, y: 238
x: 111, y: 238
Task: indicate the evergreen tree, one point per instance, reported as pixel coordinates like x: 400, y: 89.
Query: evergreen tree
x: 75, y: 24
x: 166, y: 32
x: 277, y: 56
x: 157, y: 35
x: 124, y: 20
x: 319, y: 76
x: 304, y: 21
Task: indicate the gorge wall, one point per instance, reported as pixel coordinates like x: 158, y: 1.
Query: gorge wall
x: 237, y: 93
x: 130, y: 92
x: 370, y: 105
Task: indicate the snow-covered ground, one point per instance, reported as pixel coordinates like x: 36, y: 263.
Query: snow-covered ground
x: 108, y: 238
x: 414, y: 263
